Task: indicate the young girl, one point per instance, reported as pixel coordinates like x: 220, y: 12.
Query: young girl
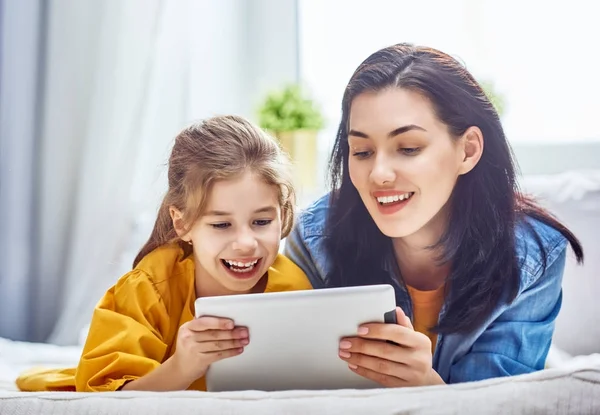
x: 228, y: 205
x: 425, y: 198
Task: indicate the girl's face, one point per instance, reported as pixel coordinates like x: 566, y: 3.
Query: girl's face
x: 404, y: 162
x: 237, y: 239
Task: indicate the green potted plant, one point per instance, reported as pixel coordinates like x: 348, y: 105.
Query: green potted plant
x: 294, y: 118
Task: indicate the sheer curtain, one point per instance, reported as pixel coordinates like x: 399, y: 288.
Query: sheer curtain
x: 93, y: 105
x: 20, y: 51
x: 92, y: 96
x: 136, y: 100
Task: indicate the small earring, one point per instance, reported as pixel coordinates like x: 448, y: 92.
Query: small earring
x: 189, y: 242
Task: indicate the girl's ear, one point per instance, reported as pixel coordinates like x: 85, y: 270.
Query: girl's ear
x: 179, y: 224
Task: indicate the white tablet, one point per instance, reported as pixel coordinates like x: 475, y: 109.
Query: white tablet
x: 294, y: 337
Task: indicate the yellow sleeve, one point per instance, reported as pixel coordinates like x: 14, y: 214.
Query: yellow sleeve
x: 126, y: 338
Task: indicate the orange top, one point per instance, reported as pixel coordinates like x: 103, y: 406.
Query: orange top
x: 426, y: 310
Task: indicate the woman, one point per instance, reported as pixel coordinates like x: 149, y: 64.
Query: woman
x: 425, y: 198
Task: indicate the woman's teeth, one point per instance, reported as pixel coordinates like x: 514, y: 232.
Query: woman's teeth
x: 237, y: 266
x: 395, y: 198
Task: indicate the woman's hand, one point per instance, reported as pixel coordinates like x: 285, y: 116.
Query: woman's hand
x: 203, y: 341
x: 407, y: 363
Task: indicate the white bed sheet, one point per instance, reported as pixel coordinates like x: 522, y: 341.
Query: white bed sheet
x: 572, y: 388
x: 15, y: 357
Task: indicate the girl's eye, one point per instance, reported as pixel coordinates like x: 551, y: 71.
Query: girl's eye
x: 410, y: 151
x: 361, y: 154
x: 223, y: 225
x: 263, y: 222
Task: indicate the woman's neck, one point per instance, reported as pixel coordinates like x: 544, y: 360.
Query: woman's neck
x: 418, y: 261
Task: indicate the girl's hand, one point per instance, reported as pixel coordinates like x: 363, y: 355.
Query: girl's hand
x: 407, y: 363
x: 204, y: 340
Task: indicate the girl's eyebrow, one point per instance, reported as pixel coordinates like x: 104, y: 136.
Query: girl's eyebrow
x: 265, y: 209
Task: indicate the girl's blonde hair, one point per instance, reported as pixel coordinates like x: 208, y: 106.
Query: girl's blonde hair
x: 218, y: 148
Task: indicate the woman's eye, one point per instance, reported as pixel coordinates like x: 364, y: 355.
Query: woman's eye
x: 361, y: 154
x: 263, y: 222
x: 410, y: 151
x: 223, y: 225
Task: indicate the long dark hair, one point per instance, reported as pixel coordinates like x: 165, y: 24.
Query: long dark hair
x: 485, y: 206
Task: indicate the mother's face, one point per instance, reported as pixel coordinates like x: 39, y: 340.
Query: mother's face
x: 403, y: 161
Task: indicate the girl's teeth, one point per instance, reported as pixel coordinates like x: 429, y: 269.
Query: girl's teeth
x: 241, y: 266
x: 241, y: 271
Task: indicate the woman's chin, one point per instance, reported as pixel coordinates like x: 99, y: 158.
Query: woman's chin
x: 397, y: 228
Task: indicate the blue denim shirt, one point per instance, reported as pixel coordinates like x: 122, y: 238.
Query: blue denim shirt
x: 516, y: 337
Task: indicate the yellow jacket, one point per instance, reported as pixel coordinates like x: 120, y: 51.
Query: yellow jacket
x: 134, y: 326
